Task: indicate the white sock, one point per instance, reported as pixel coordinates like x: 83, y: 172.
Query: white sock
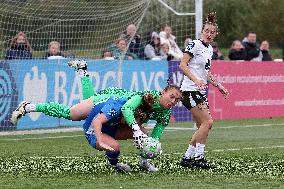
x: 189, y: 152
x: 30, y: 108
x: 199, y: 150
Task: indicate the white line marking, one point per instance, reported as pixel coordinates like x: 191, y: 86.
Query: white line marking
x: 76, y: 129
x: 239, y: 149
x: 41, y: 131
x: 176, y: 153
x: 248, y: 148
x: 41, y: 138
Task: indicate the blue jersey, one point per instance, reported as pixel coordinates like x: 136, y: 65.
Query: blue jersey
x: 111, y: 108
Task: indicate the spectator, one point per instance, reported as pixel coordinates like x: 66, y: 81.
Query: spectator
x: 251, y: 46
x: 152, y: 49
x: 120, y: 51
x: 164, y: 51
x: 264, y: 54
x: 217, y: 55
x: 20, y: 48
x: 134, y: 40
x: 107, y: 55
x: 237, y: 51
x: 54, y: 51
x: 167, y: 37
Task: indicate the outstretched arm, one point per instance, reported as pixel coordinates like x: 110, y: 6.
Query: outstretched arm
x: 129, y: 107
x: 128, y: 113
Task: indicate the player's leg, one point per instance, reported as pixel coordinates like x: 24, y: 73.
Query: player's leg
x: 75, y: 113
x: 202, y: 115
x: 113, y: 156
x: 50, y: 109
x: 81, y: 67
x: 197, y: 103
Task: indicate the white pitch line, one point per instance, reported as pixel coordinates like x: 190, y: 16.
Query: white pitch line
x: 239, y: 149
x: 41, y: 138
x: 75, y: 129
x: 41, y: 131
x: 176, y: 153
x: 248, y: 148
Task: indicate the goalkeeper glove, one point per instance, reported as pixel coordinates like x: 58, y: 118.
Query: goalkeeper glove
x: 138, y: 136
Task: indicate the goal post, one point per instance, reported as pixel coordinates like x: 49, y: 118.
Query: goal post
x: 84, y: 30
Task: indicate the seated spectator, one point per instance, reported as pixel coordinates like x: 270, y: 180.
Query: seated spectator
x: 237, y: 51
x: 264, y: 54
x: 167, y: 37
x: 164, y: 51
x: 120, y: 51
x: 135, y: 42
x: 107, y: 55
x: 54, y: 51
x: 217, y: 55
x: 20, y: 48
x: 251, y: 46
x: 152, y: 49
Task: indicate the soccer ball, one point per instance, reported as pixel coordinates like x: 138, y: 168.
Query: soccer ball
x: 151, y: 148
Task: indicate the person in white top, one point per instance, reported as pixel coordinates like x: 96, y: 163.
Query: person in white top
x: 168, y: 38
x: 54, y: 51
x: 195, y: 65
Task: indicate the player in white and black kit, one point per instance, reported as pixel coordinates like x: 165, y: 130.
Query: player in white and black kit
x: 195, y: 65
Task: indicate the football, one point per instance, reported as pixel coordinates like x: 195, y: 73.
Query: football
x: 151, y: 148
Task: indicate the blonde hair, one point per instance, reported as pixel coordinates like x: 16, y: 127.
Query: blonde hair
x: 53, y: 43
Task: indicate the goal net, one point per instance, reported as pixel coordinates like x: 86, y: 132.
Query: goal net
x: 84, y: 29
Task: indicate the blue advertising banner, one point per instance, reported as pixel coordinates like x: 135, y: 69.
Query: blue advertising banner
x: 179, y: 112
x: 53, y: 81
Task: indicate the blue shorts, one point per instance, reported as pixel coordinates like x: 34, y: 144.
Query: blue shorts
x: 111, y: 108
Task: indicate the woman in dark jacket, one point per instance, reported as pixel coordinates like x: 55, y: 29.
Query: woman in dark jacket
x: 20, y: 48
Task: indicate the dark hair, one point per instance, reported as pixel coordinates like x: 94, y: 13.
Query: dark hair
x: 104, y: 51
x: 212, y: 20
x: 145, y: 107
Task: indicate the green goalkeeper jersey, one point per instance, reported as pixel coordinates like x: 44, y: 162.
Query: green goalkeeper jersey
x: 158, y: 113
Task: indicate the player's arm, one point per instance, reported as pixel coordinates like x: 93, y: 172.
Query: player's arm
x: 97, y: 125
x: 163, y: 120
x: 213, y: 80
x: 129, y: 107
x: 184, y: 68
x: 127, y: 111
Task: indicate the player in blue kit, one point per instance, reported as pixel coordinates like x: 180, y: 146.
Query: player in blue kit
x: 100, y: 128
x: 104, y: 126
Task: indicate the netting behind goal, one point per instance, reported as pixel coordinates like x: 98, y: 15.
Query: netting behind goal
x: 84, y: 29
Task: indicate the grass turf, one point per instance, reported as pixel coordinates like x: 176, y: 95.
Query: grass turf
x: 248, y: 153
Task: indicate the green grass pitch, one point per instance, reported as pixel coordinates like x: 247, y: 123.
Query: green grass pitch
x: 248, y: 154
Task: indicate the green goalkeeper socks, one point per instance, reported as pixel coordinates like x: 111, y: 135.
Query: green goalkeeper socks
x: 54, y: 109
x: 87, y: 87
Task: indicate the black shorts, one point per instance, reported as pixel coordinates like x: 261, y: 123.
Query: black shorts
x: 192, y: 98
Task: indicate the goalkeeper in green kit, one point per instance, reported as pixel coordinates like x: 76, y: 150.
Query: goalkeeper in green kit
x: 161, y: 109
